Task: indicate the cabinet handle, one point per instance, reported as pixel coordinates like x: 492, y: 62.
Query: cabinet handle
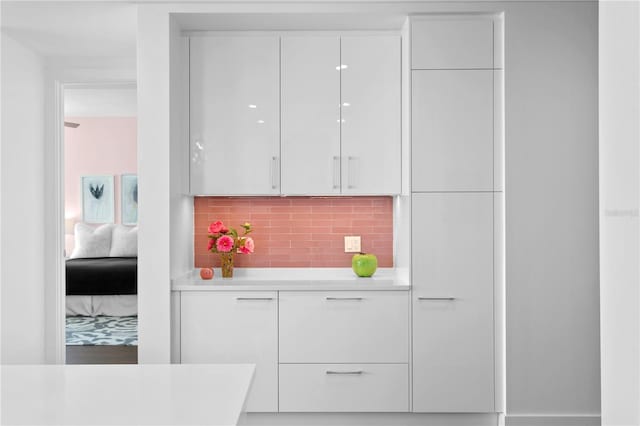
x: 350, y: 373
x: 436, y: 298
x: 254, y: 298
x: 350, y: 172
x: 343, y: 298
x: 336, y: 172
x: 274, y: 167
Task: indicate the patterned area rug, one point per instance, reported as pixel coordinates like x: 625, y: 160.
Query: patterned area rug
x: 102, y: 330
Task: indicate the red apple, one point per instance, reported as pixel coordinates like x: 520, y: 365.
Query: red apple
x: 206, y: 273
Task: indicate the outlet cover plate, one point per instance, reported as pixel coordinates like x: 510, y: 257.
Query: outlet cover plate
x: 352, y: 244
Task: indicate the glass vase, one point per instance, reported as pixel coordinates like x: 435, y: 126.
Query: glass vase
x: 226, y: 263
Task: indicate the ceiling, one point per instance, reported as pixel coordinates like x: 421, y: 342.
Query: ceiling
x: 72, y: 29
x: 114, y: 101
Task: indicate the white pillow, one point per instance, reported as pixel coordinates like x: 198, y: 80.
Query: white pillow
x: 92, y: 241
x: 124, y: 242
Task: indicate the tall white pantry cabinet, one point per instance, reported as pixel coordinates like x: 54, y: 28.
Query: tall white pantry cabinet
x: 455, y: 196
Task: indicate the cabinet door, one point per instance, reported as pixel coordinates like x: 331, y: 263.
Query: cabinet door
x: 234, y: 115
x: 453, y: 343
x: 451, y: 42
x: 310, y: 115
x: 370, y: 75
x: 452, y: 130
x: 234, y: 328
x: 344, y: 327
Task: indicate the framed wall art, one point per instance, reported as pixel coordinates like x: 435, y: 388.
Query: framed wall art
x: 129, y: 201
x: 97, y: 199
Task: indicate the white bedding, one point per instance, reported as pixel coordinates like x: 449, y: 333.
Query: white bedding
x: 91, y: 306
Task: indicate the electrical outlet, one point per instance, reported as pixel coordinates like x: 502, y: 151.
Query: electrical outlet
x: 352, y: 244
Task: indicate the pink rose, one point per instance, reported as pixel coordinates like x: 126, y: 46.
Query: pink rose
x: 248, y: 246
x: 224, y: 230
x: 212, y: 242
x: 224, y: 244
x: 216, y: 227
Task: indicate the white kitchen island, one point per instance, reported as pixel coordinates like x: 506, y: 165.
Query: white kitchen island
x: 196, y: 394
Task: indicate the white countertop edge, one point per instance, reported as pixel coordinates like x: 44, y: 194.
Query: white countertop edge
x: 294, y: 279
x: 290, y: 287
x: 145, y: 394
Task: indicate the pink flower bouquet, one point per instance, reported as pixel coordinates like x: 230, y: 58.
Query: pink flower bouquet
x: 227, y: 242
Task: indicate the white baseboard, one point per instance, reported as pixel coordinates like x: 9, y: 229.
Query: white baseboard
x: 369, y: 419
x: 538, y: 420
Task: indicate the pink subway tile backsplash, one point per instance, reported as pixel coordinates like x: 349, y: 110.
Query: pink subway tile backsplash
x: 299, y: 232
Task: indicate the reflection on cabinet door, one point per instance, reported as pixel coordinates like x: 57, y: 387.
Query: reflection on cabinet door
x: 234, y: 115
x: 452, y: 130
x: 453, y: 344
x: 234, y: 328
x: 310, y: 115
x: 370, y: 73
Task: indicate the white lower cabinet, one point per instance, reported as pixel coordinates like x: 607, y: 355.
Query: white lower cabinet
x: 344, y: 387
x: 453, y: 324
x: 234, y: 328
x: 344, y: 327
x: 344, y: 351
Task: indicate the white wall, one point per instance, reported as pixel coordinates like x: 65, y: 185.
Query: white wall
x: 162, y: 168
x: 22, y: 217
x: 181, y: 203
x: 154, y: 180
x: 552, y: 209
x: 619, y: 206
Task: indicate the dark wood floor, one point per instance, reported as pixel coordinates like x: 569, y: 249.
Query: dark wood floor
x: 102, y: 354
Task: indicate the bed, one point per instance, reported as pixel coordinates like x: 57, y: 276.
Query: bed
x: 102, y: 271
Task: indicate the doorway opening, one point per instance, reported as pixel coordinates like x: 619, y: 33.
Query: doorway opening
x: 100, y: 223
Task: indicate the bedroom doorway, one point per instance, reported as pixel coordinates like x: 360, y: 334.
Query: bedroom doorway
x: 100, y: 223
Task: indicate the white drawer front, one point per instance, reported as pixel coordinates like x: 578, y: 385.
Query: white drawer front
x: 344, y: 327
x: 344, y: 387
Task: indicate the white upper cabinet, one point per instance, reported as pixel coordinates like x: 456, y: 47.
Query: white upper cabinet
x: 234, y: 115
x: 370, y: 86
x: 297, y: 115
x: 310, y: 115
x: 452, y: 130
x: 452, y: 42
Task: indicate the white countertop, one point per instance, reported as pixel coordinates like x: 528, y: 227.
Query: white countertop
x: 292, y: 279
x: 151, y: 394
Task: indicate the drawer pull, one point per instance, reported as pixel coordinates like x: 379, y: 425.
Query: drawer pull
x: 347, y: 373
x: 254, y: 298
x: 436, y: 298
x: 344, y: 298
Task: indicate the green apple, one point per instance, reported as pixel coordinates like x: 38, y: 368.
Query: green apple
x: 364, y: 264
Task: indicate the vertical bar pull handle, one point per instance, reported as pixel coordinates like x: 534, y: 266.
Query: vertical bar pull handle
x: 351, y: 172
x: 274, y: 169
x: 336, y: 172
